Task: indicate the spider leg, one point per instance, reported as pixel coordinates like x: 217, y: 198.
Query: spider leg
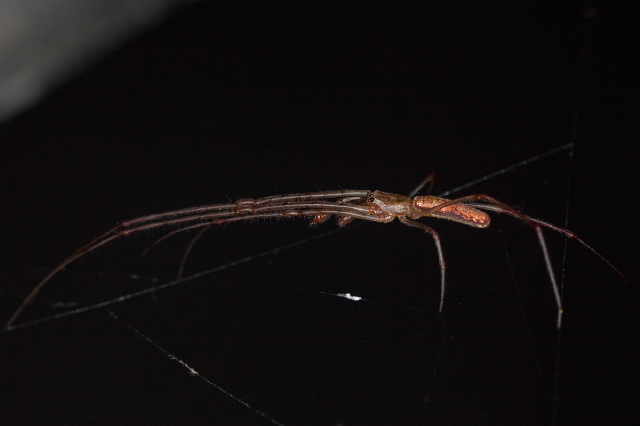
x: 533, y: 223
x: 430, y: 179
x: 296, y: 205
x: 436, y: 240
x: 187, y: 250
x: 562, y: 231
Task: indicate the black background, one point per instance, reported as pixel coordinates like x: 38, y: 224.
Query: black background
x: 221, y: 103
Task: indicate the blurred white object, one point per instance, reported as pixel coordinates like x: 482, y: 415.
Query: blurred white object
x: 44, y: 42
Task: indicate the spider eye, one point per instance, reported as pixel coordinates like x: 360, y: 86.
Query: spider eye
x: 370, y: 197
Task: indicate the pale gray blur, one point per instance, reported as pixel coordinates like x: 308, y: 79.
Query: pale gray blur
x: 45, y: 42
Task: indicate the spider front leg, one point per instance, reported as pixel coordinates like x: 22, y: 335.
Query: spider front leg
x: 436, y: 240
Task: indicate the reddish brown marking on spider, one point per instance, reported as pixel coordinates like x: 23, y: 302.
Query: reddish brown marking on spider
x: 457, y: 212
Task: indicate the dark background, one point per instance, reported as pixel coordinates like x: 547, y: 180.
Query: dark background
x: 221, y: 103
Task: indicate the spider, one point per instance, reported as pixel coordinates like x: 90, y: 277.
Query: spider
x: 347, y: 205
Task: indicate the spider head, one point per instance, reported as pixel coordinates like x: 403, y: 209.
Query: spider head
x: 389, y: 205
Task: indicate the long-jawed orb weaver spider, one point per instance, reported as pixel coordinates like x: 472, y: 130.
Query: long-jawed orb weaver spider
x: 347, y: 205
